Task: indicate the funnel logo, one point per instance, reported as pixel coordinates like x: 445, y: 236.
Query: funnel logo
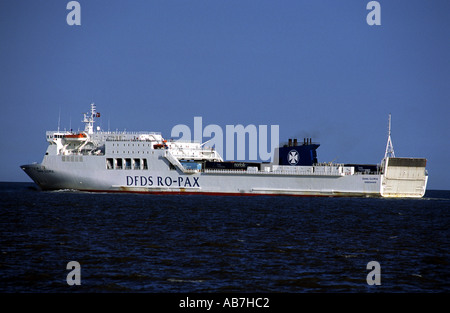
x: 293, y: 157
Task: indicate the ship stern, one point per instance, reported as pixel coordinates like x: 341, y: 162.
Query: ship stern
x: 404, y: 178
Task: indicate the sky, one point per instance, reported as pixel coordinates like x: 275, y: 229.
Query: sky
x: 315, y: 68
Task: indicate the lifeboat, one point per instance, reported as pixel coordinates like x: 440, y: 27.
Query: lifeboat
x: 162, y: 145
x: 158, y: 146
x: 76, y: 137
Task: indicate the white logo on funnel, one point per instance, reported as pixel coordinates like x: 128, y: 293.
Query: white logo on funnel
x: 293, y: 157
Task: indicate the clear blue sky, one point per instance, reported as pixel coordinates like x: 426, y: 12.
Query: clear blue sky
x: 316, y: 68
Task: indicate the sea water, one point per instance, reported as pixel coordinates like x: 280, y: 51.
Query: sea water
x: 197, y: 244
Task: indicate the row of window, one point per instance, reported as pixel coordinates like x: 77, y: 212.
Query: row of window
x: 117, y: 145
x: 126, y: 164
x: 72, y: 158
x: 130, y: 145
x: 128, y: 152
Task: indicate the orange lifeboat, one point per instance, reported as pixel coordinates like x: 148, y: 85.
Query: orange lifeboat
x: 79, y: 136
x: 162, y: 145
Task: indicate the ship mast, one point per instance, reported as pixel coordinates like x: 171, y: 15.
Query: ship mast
x: 389, y: 146
x: 89, y: 120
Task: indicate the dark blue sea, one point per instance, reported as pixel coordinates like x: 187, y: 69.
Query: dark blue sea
x: 214, y: 244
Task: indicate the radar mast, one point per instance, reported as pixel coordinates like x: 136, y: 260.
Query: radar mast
x: 89, y: 119
x: 389, y: 146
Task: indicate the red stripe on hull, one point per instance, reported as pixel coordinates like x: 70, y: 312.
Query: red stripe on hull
x: 240, y: 194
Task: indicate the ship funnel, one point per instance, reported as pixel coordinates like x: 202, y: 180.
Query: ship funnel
x: 293, y: 154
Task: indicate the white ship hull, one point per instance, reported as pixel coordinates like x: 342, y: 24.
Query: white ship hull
x: 90, y: 174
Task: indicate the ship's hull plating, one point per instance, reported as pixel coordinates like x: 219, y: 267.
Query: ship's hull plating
x: 91, y: 175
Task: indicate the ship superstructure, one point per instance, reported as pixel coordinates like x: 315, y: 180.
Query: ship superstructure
x: 145, y: 162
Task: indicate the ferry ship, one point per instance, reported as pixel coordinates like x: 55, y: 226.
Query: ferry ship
x: 144, y: 162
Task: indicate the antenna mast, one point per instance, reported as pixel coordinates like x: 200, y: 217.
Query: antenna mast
x: 389, y: 146
x: 59, y: 118
x: 89, y: 120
